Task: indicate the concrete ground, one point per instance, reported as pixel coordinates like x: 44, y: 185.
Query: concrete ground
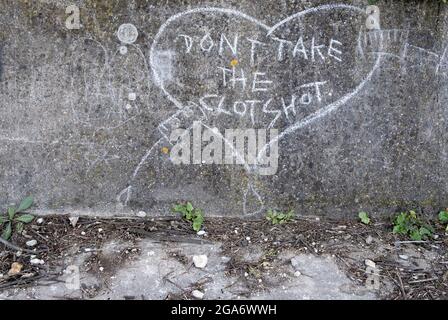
x: 165, y: 270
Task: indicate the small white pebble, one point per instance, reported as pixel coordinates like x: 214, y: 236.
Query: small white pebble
x: 225, y: 259
x: 100, y: 230
x: 403, y: 257
x: 370, y: 263
x: 297, y: 274
x: 31, y: 243
x: 37, y: 261
x: 141, y: 214
x: 246, y: 274
x: 40, y: 221
x: 197, y: 294
x: 73, y: 221
x: 248, y: 238
x: 201, y: 233
x: 18, y: 253
x: 101, y: 269
x: 83, y: 233
x: 200, y: 261
x: 260, y: 281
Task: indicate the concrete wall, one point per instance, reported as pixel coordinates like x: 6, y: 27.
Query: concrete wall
x: 85, y: 116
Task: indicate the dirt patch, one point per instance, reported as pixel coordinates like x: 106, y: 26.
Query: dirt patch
x: 407, y: 270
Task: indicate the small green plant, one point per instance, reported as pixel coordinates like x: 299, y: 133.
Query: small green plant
x: 189, y: 213
x: 279, y: 217
x: 407, y: 223
x: 443, y: 218
x: 364, y: 217
x: 12, y: 219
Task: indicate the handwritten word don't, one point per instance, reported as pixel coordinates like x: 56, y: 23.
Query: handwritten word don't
x: 306, y: 49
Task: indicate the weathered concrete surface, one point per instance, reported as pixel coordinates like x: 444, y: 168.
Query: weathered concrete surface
x: 166, y: 271
x: 72, y: 134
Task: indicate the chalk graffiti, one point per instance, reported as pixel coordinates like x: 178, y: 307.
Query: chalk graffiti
x: 216, y: 67
x: 244, y: 73
x: 127, y: 33
x: 105, y: 103
x: 396, y: 44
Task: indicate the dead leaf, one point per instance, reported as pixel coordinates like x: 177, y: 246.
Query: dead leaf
x: 16, y: 268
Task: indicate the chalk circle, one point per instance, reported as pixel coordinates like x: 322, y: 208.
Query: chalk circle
x: 127, y: 33
x: 123, y: 50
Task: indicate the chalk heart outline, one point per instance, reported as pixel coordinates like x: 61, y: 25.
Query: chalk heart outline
x: 301, y: 123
